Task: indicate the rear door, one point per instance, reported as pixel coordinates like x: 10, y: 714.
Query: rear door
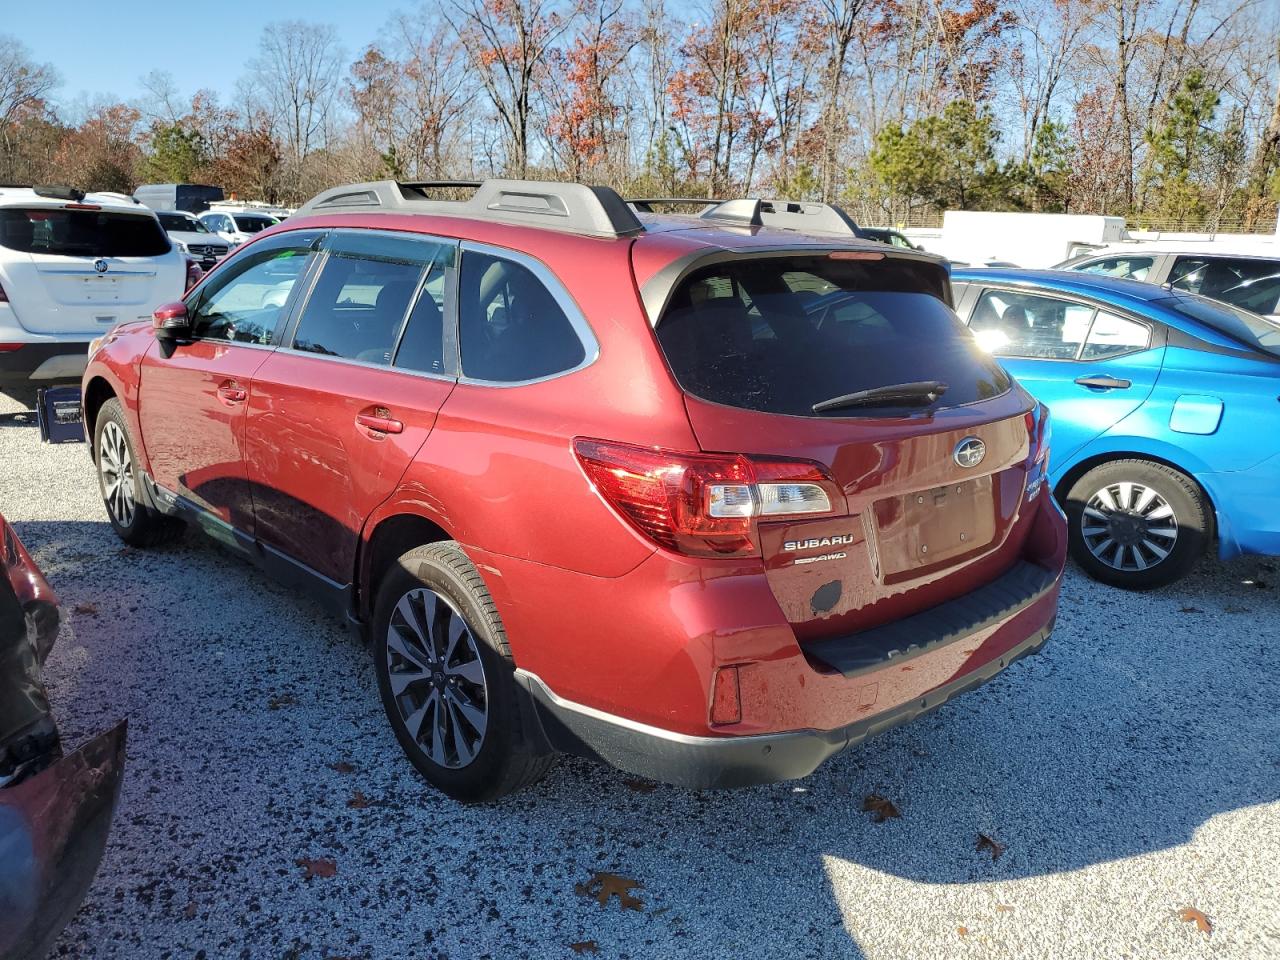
x: 193, y: 396
x: 80, y: 269
x: 337, y: 414
x: 757, y: 343
x: 1092, y: 367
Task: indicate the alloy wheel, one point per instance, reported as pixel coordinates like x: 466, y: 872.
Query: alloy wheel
x: 116, y: 467
x: 1129, y: 526
x: 437, y: 678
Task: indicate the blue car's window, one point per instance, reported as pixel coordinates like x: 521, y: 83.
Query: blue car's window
x: 1112, y: 336
x: 1010, y: 324
x: 1247, y: 328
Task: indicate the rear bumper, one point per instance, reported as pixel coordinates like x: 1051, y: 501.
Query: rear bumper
x: 44, y: 363
x: 699, y: 763
x: 1245, y: 503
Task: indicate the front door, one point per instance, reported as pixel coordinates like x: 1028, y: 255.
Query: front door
x: 337, y: 414
x: 193, y: 396
x: 1090, y: 366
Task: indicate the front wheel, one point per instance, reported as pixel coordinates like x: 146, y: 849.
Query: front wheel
x: 445, y: 676
x: 134, y: 520
x: 1137, y: 524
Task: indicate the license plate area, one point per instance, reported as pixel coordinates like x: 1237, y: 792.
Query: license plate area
x: 931, y: 528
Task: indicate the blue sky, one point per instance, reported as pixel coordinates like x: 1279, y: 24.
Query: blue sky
x: 102, y: 48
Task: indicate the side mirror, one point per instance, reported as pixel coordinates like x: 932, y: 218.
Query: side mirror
x: 170, y: 322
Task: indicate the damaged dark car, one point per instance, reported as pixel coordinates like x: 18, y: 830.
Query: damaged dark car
x: 55, y: 807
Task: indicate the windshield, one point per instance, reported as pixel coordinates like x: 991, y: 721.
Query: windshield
x: 81, y: 233
x: 1251, y: 329
x: 252, y: 223
x: 780, y: 335
x: 181, y: 223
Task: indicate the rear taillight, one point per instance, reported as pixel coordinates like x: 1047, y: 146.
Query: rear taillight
x: 703, y: 504
x: 1039, y: 433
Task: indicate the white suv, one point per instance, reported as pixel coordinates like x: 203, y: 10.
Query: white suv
x: 72, y: 266
x: 236, y: 227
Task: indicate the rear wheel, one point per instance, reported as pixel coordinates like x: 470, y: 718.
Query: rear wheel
x: 1137, y: 524
x: 446, y: 679
x: 132, y: 517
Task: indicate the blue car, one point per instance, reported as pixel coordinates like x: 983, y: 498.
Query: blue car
x: 1166, y: 414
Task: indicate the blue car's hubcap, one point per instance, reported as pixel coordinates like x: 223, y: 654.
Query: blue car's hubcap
x: 1129, y: 526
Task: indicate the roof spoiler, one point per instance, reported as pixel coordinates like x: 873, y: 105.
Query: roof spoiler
x: 59, y: 191
x: 569, y: 207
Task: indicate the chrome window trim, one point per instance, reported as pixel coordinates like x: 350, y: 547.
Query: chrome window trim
x: 573, y: 313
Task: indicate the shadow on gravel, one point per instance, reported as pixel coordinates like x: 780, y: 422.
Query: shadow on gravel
x: 1146, y: 716
x: 18, y: 418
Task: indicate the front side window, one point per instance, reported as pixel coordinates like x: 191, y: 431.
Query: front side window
x: 81, y: 233
x: 1132, y: 268
x: 511, y: 328
x: 243, y: 301
x: 781, y: 335
x: 363, y: 295
x: 1011, y: 324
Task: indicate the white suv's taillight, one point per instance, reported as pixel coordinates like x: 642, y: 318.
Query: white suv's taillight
x: 703, y: 504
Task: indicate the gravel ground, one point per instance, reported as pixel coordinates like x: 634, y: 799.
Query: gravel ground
x: 1131, y: 770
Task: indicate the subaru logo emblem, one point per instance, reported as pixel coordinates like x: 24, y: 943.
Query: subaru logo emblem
x: 969, y: 452
x: 100, y: 266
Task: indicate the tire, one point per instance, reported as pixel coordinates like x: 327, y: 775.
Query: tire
x: 482, y: 751
x: 129, y: 511
x: 1136, y: 524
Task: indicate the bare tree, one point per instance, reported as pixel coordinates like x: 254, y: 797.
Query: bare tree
x: 24, y: 87
x: 507, y: 42
x: 297, y: 73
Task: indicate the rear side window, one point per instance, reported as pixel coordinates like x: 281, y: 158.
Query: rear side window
x: 1248, y: 283
x: 1112, y: 336
x: 511, y: 328
x: 81, y: 233
x: 779, y: 335
x: 363, y: 294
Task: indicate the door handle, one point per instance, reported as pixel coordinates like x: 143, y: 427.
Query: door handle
x: 1104, y: 383
x: 231, y: 392
x: 380, y: 421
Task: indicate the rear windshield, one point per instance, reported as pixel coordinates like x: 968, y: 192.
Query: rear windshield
x: 254, y: 223
x: 81, y: 233
x: 1247, y: 328
x: 782, y: 334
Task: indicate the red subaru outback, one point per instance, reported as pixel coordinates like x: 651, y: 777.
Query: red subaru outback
x: 708, y: 498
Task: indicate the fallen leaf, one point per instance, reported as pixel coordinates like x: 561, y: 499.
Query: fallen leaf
x: 990, y: 843
x: 190, y: 911
x: 586, y: 946
x: 342, y: 767
x: 282, y: 700
x: 1003, y: 908
x: 880, y: 808
x: 1192, y: 915
x: 639, y: 786
x: 318, y: 868
x: 963, y: 931
x: 358, y: 801
x: 603, y: 885
x: 86, y: 608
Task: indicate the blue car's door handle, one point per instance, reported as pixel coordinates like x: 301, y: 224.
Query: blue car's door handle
x: 1104, y: 383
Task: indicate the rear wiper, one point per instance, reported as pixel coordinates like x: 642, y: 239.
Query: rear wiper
x: 921, y: 393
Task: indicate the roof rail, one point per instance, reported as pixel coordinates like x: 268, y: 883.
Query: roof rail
x: 570, y: 207
x: 803, y: 216
x: 646, y: 204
